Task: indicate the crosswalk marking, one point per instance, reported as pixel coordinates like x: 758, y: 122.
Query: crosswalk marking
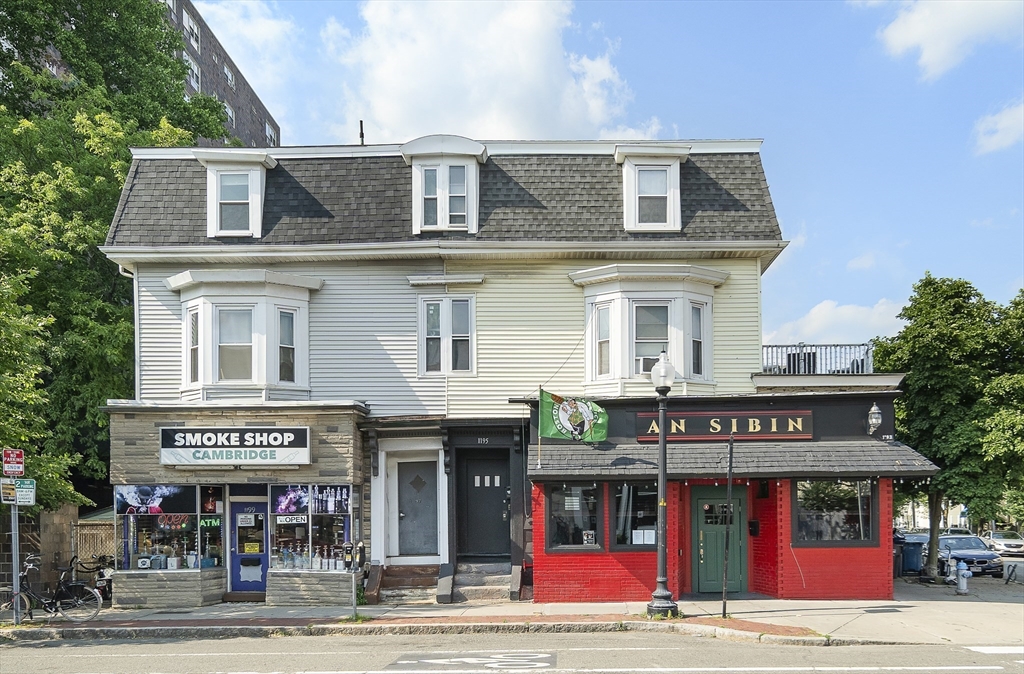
x: 998, y: 650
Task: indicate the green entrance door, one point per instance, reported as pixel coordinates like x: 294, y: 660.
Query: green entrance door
x: 710, y: 513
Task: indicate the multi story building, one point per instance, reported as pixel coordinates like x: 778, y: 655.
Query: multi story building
x: 211, y: 71
x: 347, y: 345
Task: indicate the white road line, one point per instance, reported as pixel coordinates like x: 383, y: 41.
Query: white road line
x: 261, y: 654
x: 998, y: 650
x: 634, y: 670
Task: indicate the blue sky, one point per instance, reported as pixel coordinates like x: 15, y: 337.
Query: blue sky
x: 893, y: 131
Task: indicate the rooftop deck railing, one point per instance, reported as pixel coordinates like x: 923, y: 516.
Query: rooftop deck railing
x: 817, y: 359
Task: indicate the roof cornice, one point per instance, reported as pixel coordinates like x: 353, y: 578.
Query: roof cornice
x: 491, y: 148
x: 648, y: 272
x: 190, y: 278
x: 129, y: 256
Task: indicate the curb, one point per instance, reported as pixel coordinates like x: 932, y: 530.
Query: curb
x: 30, y: 635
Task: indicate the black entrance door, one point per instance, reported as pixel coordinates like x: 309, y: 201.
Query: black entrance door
x: 484, y: 504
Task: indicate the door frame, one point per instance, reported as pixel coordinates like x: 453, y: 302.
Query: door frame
x: 739, y: 493
x: 384, y: 502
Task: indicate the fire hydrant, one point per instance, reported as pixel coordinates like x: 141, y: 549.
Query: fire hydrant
x: 962, y: 574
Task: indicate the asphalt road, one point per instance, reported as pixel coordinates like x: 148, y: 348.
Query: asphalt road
x: 605, y: 653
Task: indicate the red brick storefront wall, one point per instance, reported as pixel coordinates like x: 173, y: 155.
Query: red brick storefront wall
x: 601, y: 575
x: 834, y: 573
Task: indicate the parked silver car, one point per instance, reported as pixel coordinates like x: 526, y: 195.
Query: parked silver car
x: 1004, y: 542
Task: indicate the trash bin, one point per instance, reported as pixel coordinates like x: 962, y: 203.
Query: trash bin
x: 897, y: 560
x: 913, y: 557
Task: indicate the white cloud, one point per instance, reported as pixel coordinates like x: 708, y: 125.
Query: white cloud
x: 831, y: 323
x: 865, y: 261
x: 1000, y: 130
x: 945, y: 33
x: 484, y: 70
x: 261, y: 44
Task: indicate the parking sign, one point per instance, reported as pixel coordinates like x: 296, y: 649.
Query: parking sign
x: 14, y: 462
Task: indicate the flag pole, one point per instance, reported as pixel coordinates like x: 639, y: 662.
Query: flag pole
x: 540, y: 396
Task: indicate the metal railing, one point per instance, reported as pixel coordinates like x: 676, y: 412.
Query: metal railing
x: 817, y: 359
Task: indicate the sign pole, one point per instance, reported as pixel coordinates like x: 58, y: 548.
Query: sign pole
x: 15, y: 563
x: 728, y: 521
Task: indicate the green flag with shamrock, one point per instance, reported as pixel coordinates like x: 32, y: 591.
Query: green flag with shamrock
x: 571, y: 418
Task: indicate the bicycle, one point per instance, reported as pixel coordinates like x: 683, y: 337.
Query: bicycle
x: 76, y: 601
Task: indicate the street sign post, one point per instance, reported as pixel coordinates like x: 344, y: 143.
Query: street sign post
x: 24, y: 494
x: 14, y: 462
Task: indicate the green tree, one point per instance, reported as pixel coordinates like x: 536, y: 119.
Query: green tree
x: 955, y: 355
x: 65, y: 311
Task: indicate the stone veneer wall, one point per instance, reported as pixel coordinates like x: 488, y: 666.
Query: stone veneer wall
x: 310, y: 588
x: 169, y: 589
x: 335, y: 446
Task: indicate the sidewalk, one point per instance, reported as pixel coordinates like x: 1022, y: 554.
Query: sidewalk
x: 992, y: 614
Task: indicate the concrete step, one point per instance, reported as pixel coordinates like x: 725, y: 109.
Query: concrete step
x: 477, y: 593
x: 481, y: 579
x: 405, y: 595
x: 490, y: 568
x: 390, y: 581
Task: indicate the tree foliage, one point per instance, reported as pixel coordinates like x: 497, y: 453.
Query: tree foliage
x: 963, y: 402
x: 66, y: 317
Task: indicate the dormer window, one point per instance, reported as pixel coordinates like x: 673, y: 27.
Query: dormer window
x: 445, y: 183
x: 650, y: 186
x: 234, y: 202
x: 235, y: 183
x: 445, y: 196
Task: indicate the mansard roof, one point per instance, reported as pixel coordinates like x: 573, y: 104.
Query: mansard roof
x: 529, y: 192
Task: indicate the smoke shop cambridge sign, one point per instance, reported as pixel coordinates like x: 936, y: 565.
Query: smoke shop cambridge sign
x: 234, y: 446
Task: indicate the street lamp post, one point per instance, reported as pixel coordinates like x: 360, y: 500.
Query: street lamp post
x: 662, y: 376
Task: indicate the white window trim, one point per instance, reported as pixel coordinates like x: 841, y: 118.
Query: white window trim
x: 472, y: 194
x: 301, y: 374
x: 630, y: 197
x: 257, y: 341
x: 253, y: 163
x: 229, y: 75
x: 266, y: 293
x: 230, y: 113
x: 595, y: 334
x: 192, y: 310
x: 622, y: 286
x: 446, y: 336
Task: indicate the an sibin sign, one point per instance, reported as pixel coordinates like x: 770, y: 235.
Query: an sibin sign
x: 14, y: 462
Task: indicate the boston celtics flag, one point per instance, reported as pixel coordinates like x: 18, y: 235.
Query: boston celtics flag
x: 571, y: 418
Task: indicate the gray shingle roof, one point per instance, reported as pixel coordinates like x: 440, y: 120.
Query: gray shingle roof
x: 851, y: 458
x: 724, y: 197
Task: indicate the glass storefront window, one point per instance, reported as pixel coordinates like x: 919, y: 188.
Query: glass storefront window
x: 157, y: 526
x: 311, y: 525
x: 573, y: 516
x: 834, y: 512
x: 636, y: 514
x: 211, y: 540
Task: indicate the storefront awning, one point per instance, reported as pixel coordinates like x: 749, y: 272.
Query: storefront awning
x: 836, y: 458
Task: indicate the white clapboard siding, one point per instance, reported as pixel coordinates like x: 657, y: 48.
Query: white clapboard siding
x: 737, y: 327
x: 159, y: 347
x: 363, y: 339
x: 529, y: 320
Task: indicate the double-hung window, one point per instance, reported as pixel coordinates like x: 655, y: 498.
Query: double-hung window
x: 229, y: 75
x: 697, y: 340
x: 650, y: 335
x: 234, y: 344
x: 234, y: 202
x: 192, y: 342
x: 271, y: 135
x: 286, y: 345
x: 603, y: 336
x: 231, y: 114
x: 446, y: 341
x: 652, y: 195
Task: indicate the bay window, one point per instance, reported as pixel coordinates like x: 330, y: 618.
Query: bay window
x: 636, y: 311
x: 244, y: 334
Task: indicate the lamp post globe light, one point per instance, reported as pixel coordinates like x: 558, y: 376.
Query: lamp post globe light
x: 662, y: 376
